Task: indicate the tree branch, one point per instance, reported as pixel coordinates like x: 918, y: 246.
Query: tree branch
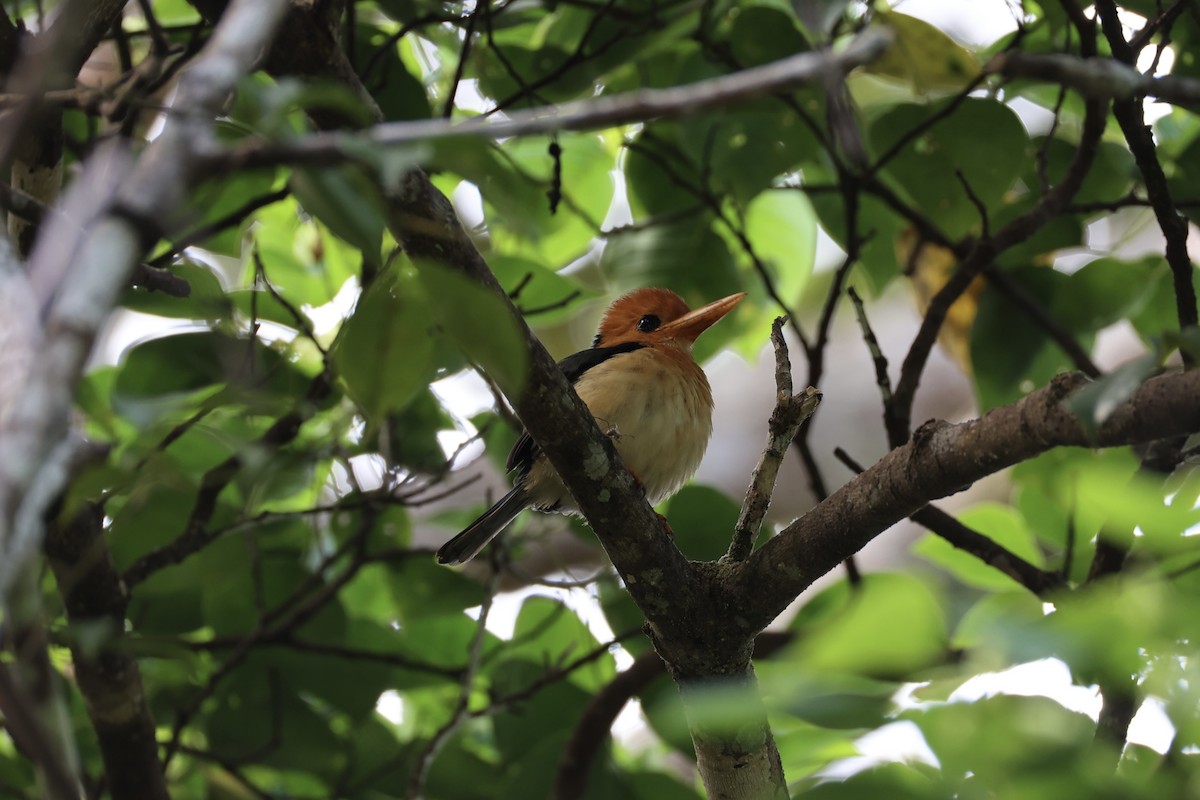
x: 940, y: 460
x: 109, y: 677
x: 938, y: 522
x: 76, y: 294
x: 638, y: 106
x: 1098, y: 78
x: 790, y: 411
x: 76, y: 276
x: 1131, y: 117
x: 978, y: 258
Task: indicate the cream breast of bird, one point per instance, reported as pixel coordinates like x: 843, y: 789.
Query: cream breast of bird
x: 659, y: 415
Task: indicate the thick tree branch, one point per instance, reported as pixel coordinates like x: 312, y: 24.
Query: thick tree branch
x: 595, y: 723
x: 75, y: 293
x: 23, y: 726
x: 109, y: 677
x: 940, y: 460
x: 75, y: 278
x: 938, y: 522
x: 1099, y: 78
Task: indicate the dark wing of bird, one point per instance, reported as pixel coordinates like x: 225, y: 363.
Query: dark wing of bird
x: 573, y: 366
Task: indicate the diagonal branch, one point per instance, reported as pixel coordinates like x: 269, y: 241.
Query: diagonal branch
x: 980, y: 256
x: 932, y: 518
x: 940, y: 460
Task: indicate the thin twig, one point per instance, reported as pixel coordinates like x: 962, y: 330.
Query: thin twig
x: 790, y: 410
x: 420, y: 771
x: 877, y: 357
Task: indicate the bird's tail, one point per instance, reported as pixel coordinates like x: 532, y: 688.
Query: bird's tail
x: 466, y: 545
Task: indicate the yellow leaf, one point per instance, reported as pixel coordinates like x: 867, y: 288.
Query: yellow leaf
x: 929, y: 266
x: 923, y: 56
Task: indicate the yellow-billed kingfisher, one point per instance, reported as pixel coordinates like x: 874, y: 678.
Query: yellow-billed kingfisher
x: 645, y: 390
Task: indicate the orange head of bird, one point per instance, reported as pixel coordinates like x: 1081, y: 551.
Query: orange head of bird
x: 659, y: 316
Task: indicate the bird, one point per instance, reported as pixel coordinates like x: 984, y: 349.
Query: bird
x: 645, y: 390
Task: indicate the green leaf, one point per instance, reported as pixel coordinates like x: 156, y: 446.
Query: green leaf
x: 1183, y: 183
x: 666, y: 255
x: 1110, y: 177
x: 548, y: 715
x: 890, y: 627
x: 548, y: 632
x: 648, y: 180
x: 892, y: 780
x: 304, y: 263
x: 550, y: 296
x: 1003, y: 739
x: 421, y: 589
x: 479, y: 323
x: 515, y: 180
x: 1159, y: 316
x: 206, y: 299
x: 996, y: 618
x: 400, y: 94
x: 805, y: 748
x: 217, y: 200
x: 745, y: 150
x: 347, y: 201
x: 657, y: 786
x: 927, y: 167
x: 413, y: 434
x: 170, y: 373
x: 1053, y: 516
x: 1012, y: 360
x: 257, y: 707
x: 1004, y: 525
x: 877, y: 257
x: 1127, y: 501
x: 703, y: 521
x: 1096, y: 402
x: 262, y: 306
x: 1109, y: 630
x: 782, y: 228
x: 829, y: 700
x: 1061, y: 233
x: 623, y: 615
x: 1104, y: 292
x: 761, y: 34
x: 385, y: 350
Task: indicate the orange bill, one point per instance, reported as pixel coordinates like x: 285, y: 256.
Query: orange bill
x: 692, y: 324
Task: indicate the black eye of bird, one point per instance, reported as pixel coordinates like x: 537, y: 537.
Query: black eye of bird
x: 648, y: 323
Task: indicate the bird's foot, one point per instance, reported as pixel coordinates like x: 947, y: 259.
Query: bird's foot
x: 666, y: 526
x: 637, y: 479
